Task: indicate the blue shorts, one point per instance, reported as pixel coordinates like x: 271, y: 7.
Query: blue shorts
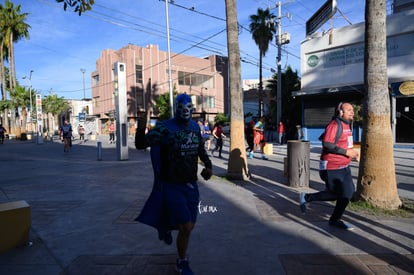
x: 181, y: 201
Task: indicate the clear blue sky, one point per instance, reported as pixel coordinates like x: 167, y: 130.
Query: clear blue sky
x: 61, y: 43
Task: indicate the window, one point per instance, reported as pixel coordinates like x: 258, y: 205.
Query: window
x: 184, y: 78
x: 204, y: 102
x: 138, y: 73
x: 211, y: 102
x: 140, y: 98
x: 95, y: 80
x: 195, y: 79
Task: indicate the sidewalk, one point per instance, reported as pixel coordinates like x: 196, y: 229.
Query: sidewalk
x: 83, y: 212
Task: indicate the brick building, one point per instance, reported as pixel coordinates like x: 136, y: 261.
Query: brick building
x: 205, y: 79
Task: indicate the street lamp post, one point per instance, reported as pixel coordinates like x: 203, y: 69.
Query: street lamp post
x: 170, y: 88
x: 30, y: 92
x: 83, y: 72
x: 202, y: 98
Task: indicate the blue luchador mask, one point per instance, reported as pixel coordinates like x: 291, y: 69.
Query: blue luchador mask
x: 183, y: 107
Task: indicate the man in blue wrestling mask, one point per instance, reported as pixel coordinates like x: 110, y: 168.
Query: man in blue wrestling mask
x: 176, y: 145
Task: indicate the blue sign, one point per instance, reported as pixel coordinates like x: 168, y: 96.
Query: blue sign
x: 82, y: 116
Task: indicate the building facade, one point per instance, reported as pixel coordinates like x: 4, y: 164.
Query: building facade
x: 147, y: 73
x: 251, y: 96
x: 333, y: 71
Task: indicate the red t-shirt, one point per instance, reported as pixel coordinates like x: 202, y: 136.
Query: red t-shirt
x: 218, y: 131
x: 281, y: 128
x: 345, y: 141
x: 111, y: 128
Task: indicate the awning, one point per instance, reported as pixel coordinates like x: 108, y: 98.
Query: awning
x: 324, y: 91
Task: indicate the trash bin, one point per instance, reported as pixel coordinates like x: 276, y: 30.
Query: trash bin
x: 298, y: 158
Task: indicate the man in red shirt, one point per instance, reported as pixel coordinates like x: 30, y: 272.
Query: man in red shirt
x: 334, y: 167
x: 281, y: 132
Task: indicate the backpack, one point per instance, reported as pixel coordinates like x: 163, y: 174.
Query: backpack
x: 338, y: 131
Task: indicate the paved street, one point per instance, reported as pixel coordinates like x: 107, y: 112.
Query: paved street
x: 83, y: 210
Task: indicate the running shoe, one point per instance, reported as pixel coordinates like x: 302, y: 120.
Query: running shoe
x: 341, y: 224
x: 183, y: 267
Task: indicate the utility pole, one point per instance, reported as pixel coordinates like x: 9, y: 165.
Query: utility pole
x: 279, y: 66
x: 280, y: 40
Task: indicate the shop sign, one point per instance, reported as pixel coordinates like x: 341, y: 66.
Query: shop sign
x: 407, y: 88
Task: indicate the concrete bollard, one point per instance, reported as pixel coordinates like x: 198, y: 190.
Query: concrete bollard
x: 15, y: 223
x: 298, y: 158
x: 99, y: 150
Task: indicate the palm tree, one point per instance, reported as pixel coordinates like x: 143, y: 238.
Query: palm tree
x: 237, y: 165
x: 12, y: 28
x: 263, y: 29
x: 79, y: 6
x: 376, y: 179
x: 54, y: 105
x: 20, y: 97
x: 5, y: 106
x: 3, y: 54
x: 291, y: 107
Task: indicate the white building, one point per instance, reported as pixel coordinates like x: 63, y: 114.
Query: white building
x: 333, y: 71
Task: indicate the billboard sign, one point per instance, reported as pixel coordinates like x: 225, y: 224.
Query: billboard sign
x: 321, y: 16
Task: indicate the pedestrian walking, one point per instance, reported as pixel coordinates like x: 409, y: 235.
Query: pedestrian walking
x: 81, y: 132
x: 281, y: 133
x: 270, y: 128
x: 176, y: 145
x: 2, y: 133
x: 334, y: 169
x: 259, y: 137
x: 111, y: 133
x: 250, y: 138
x: 218, y: 139
x: 207, y: 135
x: 65, y: 133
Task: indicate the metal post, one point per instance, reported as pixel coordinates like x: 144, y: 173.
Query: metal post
x: 121, y: 110
x: 31, y: 104
x: 169, y: 60
x: 279, y: 66
x: 202, y: 99
x: 83, y: 72
x: 30, y: 93
x: 99, y: 150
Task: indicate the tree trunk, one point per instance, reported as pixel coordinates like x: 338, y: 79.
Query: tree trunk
x: 237, y: 165
x: 2, y: 72
x: 24, y: 120
x: 12, y: 70
x: 376, y: 179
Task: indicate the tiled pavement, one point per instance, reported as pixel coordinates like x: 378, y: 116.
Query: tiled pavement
x: 83, y: 214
